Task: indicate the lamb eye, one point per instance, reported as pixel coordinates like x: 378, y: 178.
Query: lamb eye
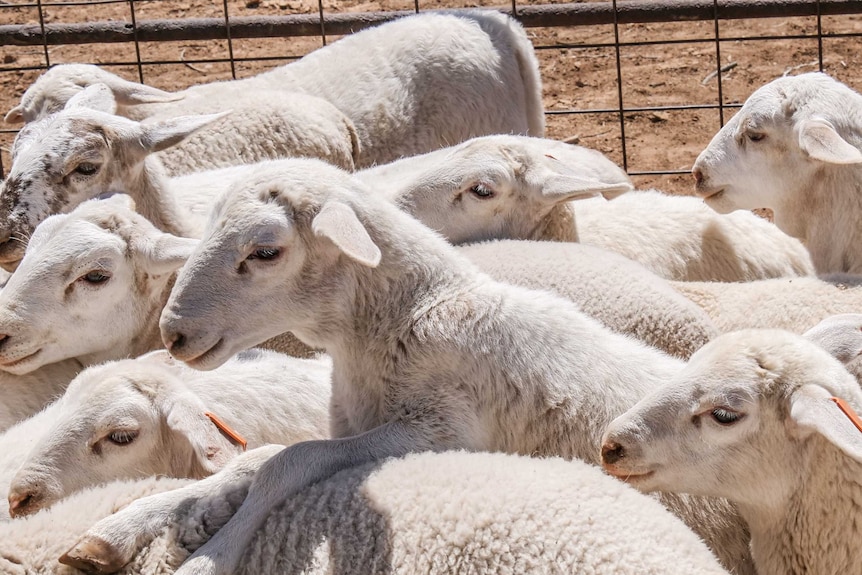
x: 755, y: 136
x: 481, y: 191
x: 725, y: 416
x: 264, y: 254
x: 122, y: 437
x: 86, y: 169
x: 96, y: 277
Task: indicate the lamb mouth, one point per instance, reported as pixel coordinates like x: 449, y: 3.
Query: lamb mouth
x: 709, y: 194
x: 202, y: 357
x: 630, y: 477
x: 19, y: 361
x: 11, y: 252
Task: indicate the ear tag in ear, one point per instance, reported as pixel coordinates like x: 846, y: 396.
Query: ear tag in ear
x: 227, y: 430
x: 848, y: 411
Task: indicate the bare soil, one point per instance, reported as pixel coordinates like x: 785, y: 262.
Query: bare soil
x: 576, y: 78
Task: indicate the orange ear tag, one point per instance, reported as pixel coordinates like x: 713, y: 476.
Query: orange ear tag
x: 848, y: 411
x: 226, y: 429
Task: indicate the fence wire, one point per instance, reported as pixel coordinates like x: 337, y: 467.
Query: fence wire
x: 645, y: 81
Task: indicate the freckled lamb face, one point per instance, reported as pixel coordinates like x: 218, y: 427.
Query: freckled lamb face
x: 57, y: 166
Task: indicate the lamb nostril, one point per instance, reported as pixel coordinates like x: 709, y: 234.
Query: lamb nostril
x: 177, y: 341
x: 21, y: 503
x: 612, y: 452
x: 698, y: 175
x: 4, y: 339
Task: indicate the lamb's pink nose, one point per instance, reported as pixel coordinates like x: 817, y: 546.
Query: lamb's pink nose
x: 698, y: 175
x: 23, y: 503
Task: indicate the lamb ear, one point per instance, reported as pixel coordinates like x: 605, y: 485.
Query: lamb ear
x: 15, y: 115
x: 820, y: 141
x: 561, y: 183
x: 563, y: 188
x: 338, y: 222
x: 94, y: 97
x: 187, y: 420
x: 158, y: 136
x: 840, y: 335
x: 132, y: 93
x: 167, y: 253
x: 813, y: 409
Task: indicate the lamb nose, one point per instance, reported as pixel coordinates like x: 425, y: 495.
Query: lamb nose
x: 698, y: 175
x: 20, y: 503
x: 612, y: 452
x: 175, y: 342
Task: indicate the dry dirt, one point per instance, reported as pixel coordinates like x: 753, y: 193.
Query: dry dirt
x: 575, y: 78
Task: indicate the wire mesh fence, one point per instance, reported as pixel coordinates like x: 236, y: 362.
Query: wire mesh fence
x: 645, y: 81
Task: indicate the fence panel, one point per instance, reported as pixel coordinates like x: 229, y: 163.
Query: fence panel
x: 648, y: 82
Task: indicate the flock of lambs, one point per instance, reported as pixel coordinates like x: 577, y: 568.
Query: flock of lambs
x: 468, y: 396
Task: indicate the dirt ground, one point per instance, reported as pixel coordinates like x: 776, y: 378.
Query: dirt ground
x: 576, y: 78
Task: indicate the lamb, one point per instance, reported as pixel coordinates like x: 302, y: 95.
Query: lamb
x: 794, y: 304
x: 618, y: 292
x: 428, y: 353
x: 453, y: 512
x: 102, y: 271
x: 146, y: 416
x: 794, y: 147
x: 841, y: 336
x: 409, y: 86
x: 521, y: 188
x: 764, y: 400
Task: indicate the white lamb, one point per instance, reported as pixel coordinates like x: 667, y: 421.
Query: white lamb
x: 147, y: 416
x: 755, y: 417
x: 794, y: 304
x: 409, y: 86
x: 794, y: 147
x: 621, y: 294
x: 436, y: 513
x: 521, y: 188
x: 428, y: 353
x: 90, y: 287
